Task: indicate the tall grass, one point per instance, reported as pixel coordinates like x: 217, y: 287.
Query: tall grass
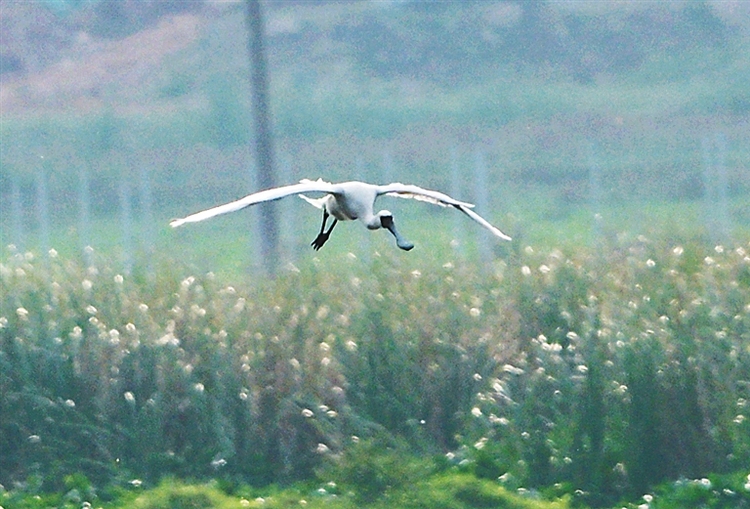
x: 604, y: 372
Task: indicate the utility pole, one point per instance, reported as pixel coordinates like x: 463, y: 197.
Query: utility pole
x: 269, y: 226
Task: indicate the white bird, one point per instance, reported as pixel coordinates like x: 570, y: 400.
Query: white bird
x: 345, y: 202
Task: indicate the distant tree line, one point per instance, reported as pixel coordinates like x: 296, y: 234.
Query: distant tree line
x: 440, y: 41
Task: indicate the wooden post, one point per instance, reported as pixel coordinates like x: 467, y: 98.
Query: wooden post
x: 42, y: 207
x: 595, y: 191
x: 456, y: 190
x: 127, y: 224
x: 147, y: 217
x: 716, y: 186
x: 16, y: 206
x: 84, y: 218
x: 482, y: 203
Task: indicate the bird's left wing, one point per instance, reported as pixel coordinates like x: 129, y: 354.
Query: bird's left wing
x: 276, y: 193
x: 479, y: 219
x: 438, y: 198
x: 421, y: 194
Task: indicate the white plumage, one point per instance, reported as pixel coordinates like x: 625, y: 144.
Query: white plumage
x: 345, y: 202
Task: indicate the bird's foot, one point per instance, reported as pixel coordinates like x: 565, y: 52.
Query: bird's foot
x: 319, y: 241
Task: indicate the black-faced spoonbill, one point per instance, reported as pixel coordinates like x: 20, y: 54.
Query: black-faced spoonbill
x: 346, y: 201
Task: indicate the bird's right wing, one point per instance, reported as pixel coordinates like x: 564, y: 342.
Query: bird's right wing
x: 438, y: 198
x: 276, y: 193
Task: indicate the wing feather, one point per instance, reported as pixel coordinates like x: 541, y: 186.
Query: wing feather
x: 479, y: 219
x: 276, y: 193
x: 420, y: 194
x: 438, y: 198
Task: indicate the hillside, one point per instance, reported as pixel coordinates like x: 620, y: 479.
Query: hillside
x: 84, y: 60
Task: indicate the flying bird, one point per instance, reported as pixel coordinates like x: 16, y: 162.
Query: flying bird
x: 346, y: 201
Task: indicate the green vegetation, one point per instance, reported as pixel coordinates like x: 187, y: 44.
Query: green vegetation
x: 596, y: 361
x: 593, y: 374
x: 454, y: 491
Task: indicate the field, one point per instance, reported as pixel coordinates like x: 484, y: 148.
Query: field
x: 601, y: 359
x: 597, y: 374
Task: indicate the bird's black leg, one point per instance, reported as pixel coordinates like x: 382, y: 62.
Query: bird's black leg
x: 387, y: 222
x: 323, y: 235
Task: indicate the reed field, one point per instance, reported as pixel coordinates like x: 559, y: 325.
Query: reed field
x: 595, y: 375
x: 600, y: 359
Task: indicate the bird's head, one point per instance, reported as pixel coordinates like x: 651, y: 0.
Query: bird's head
x: 377, y: 220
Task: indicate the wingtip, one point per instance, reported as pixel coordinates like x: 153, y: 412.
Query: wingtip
x: 501, y: 235
x: 174, y: 223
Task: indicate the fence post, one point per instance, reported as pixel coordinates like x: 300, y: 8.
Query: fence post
x: 482, y: 202
x: 84, y: 219
x: 287, y: 236
x: 708, y: 185
x: 16, y: 211
x: 126, y: 223
x: 254, y: 227
x: 722, y: 184
x: 458, y: 222
x: 42, y: 206
x: 715, y: 187
x: 147, y: 217
x: 595, y: 191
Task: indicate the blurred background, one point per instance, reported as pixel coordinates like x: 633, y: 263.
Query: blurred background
x: 563, y: 121
x: 601, y: 358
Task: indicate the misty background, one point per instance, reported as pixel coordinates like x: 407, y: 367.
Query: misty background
x: 561, y: 120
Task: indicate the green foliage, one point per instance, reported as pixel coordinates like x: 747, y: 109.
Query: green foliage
x: 712, y: 492
x: 558, y: 370
x: 419, y: 490
x: 175, y: 495
x: 456, y: 491
x: 372, y: 470
x: 599, y: 372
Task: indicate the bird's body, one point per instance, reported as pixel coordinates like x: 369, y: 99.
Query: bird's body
x: 352, y: 201
x: 346, y: 201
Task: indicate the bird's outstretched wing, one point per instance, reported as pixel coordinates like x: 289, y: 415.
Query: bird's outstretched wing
x: 421, y: 194
x: 438, y: 198
x: 479, y: 219
x: 276, y: 193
